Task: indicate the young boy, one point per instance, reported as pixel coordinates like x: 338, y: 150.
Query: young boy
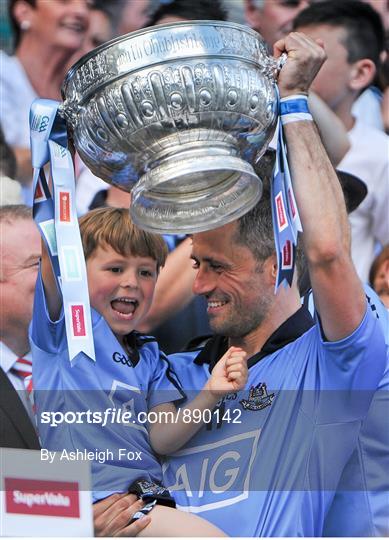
x: 129, y: 374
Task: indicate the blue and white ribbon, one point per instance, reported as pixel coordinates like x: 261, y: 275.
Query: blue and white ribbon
x: 286, y: 219
x: 289, y: 193
x: 56, y: 218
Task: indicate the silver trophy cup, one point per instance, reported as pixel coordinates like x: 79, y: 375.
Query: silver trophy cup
x: 177, y: 114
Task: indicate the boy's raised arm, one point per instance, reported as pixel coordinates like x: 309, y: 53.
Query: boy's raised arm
x: 52, y: 294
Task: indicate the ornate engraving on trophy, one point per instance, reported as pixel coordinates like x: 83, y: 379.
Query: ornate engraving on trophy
x: 167, y: 43
x: 178, y: 114
x: 176, y: 101
x: 95, y: 71
x: 241, y: 43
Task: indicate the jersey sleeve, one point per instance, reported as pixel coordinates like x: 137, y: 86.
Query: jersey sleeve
x: 47, y: 335
x: 349, y: 371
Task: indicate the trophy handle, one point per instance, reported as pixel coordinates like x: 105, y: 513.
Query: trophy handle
x: 271, y: 66
x: 280, y: 62
x: 69, y: 112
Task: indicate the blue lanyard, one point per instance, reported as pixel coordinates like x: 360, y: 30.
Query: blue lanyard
x: 57, y: 221
x: 286, y: 219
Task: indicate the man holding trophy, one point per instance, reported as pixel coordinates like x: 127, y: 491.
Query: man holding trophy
x: 271, y: 458
x: 268, y: 458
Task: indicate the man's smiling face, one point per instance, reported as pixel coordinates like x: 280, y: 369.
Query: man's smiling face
x: 231, y: 280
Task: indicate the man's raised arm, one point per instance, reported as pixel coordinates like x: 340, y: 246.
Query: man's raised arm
x: 337, y: 290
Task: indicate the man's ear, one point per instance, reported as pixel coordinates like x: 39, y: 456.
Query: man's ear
x: 252, y: 15
x: 362, y: 74
x: 271, y: 269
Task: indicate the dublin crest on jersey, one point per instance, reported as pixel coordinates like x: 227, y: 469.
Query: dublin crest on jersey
x: 258, y: 399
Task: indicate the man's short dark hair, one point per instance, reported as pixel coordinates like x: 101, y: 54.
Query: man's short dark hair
x: 365, y: 36
x: 192, y: 11
x: 255, y: 229
x: 14, y: 23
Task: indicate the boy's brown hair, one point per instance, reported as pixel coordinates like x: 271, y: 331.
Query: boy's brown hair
x: 113, y: 227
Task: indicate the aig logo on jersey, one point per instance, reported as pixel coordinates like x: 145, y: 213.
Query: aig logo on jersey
x: 212, y: 475
x: 258, y: 399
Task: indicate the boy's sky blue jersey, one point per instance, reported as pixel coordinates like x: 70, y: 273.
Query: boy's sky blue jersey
x: 116, y: 380
x: 269, y: 461
x: 361, y: 503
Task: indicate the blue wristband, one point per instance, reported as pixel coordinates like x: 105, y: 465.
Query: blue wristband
x: 294, y: 109
x: 292, y: 106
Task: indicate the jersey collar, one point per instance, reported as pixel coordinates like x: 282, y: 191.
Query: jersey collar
x: 294, y: 327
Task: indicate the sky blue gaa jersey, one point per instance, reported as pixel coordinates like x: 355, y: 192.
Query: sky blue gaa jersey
x: 134, y: 383
x: 269, y: 460
x: 361, y: 503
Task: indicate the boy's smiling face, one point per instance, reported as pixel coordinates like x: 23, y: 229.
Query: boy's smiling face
x: 121, y: 288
